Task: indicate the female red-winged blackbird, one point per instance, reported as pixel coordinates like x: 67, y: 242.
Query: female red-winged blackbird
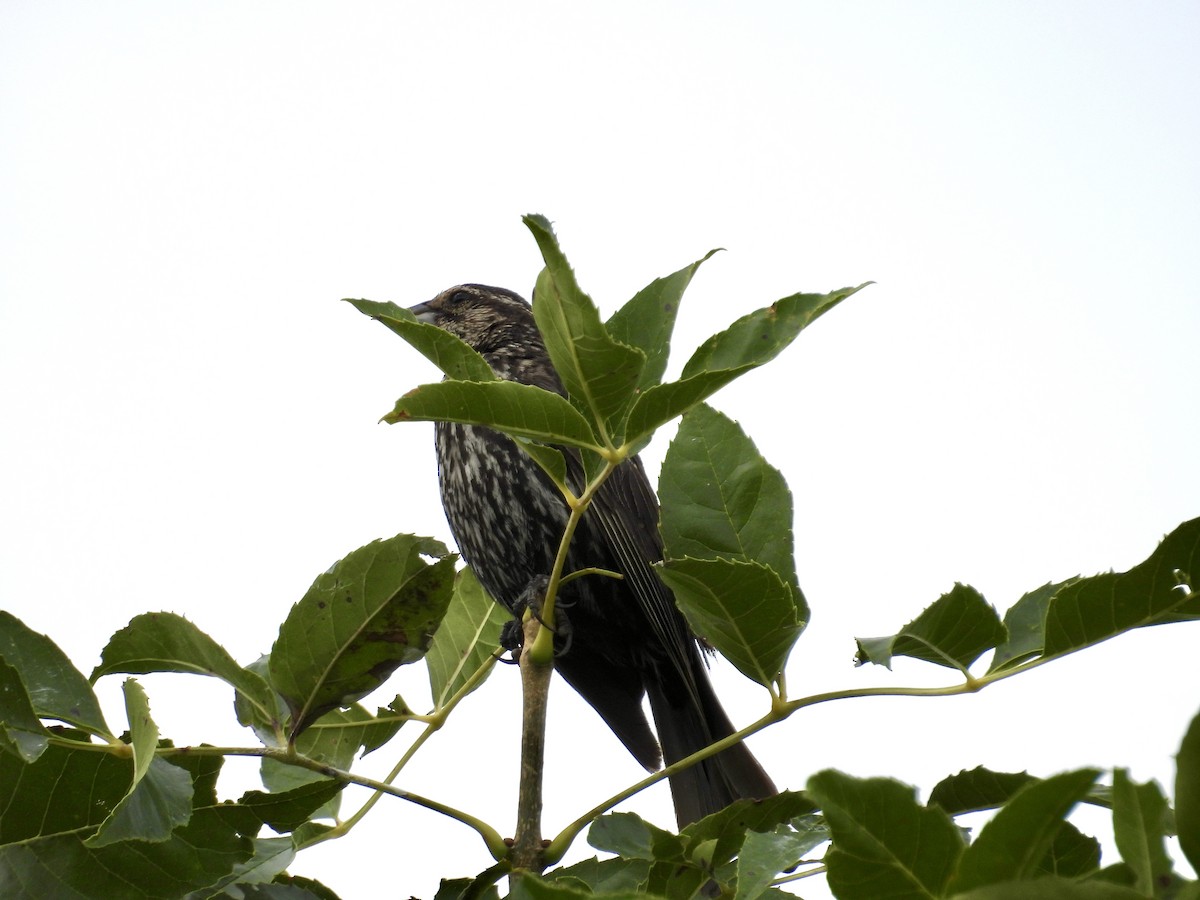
x: 623, y: 639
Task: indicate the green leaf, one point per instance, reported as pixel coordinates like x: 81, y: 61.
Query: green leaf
x: 159, y: 798
x: 1187, y: 794
x: 1141, y: 819
x: 662, y: 403
x: 885, y: 844
x: 335, y: 740
x: 444, y: 350
x: 748, y: 343
x: 727, y: 828
x: 722, y: 500
x: 1072, y: 854
x: 976, y: 790
x: 1013, y: 844
x: 270, y: 858
x: 744, y: 609
x: 57, y: 690
x: 1051, y: 889
x: 1090, y: 610
x: 531, y: 887
x: 632, y: 837
x: 760, y: 336
x: 373, y: 611
x: 467, y: 638
x: 289, y: 810
x: 764, y: 856
x: 21, y: 731
x: 647, y: 320
x: 603, y: 876
x: 600, y: 374
x: 166, y: 642
x: 1026, y: 624
x: 64, y: 796
x: 521, y: 410
x: 954, y: 631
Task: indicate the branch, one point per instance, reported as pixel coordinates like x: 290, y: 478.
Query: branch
x: 528, y: 846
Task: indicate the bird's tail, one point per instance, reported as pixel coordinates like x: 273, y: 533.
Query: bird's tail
x: 685, y: 726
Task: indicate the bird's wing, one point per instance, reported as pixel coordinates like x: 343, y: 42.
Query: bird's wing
x: 625, y: 511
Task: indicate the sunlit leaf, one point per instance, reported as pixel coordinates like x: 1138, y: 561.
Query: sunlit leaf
x: 466, y: 639
x: 159, y: 798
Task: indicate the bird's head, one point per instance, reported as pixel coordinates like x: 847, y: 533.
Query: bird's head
x: 485, y: 318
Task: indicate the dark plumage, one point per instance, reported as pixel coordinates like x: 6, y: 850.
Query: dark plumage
x: 626, y: 637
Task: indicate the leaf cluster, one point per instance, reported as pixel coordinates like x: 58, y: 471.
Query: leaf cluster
x: 90, y: 811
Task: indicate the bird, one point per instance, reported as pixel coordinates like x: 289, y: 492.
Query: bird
x: 618, y: 640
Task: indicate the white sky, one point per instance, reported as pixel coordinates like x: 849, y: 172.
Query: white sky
x: 190, y: 415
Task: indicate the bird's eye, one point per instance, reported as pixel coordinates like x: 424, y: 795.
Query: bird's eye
x: 460, y: 296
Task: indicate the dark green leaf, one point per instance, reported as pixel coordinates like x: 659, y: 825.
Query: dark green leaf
x: 1090, y: 610
x: 760, y: 336
x: 885, y: 844
x: 65, y: 790
x: 521, y: 410
x: 65, y: 794
x: 21, y: 731
x: 166, y: 642
x: 160, y: 795
x: 531, y: 887
x: 600, y: 374
x: 57, y: 690
x: 722, y: 500
x: 1187, y: 794
x: 1026, y: 624
x: 647, y: 320
x: 440, y: 347
x: 977, y: 789
x: 466, y: 639
x: 289, y: 810
x: 371, y: 612
x: 454, y: 888
x: 744, y: 609
x: 728, y: 827
x: 954, y: 631
x: 1015, y: 842
x: 1140, y: 825
x: 1051, y: 889
x: 1072, y: 854
x: 269, y: 725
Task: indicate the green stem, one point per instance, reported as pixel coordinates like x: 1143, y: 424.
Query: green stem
x: 543, y: 648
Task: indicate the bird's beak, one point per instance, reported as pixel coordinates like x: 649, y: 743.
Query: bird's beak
x: 424, y: 313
